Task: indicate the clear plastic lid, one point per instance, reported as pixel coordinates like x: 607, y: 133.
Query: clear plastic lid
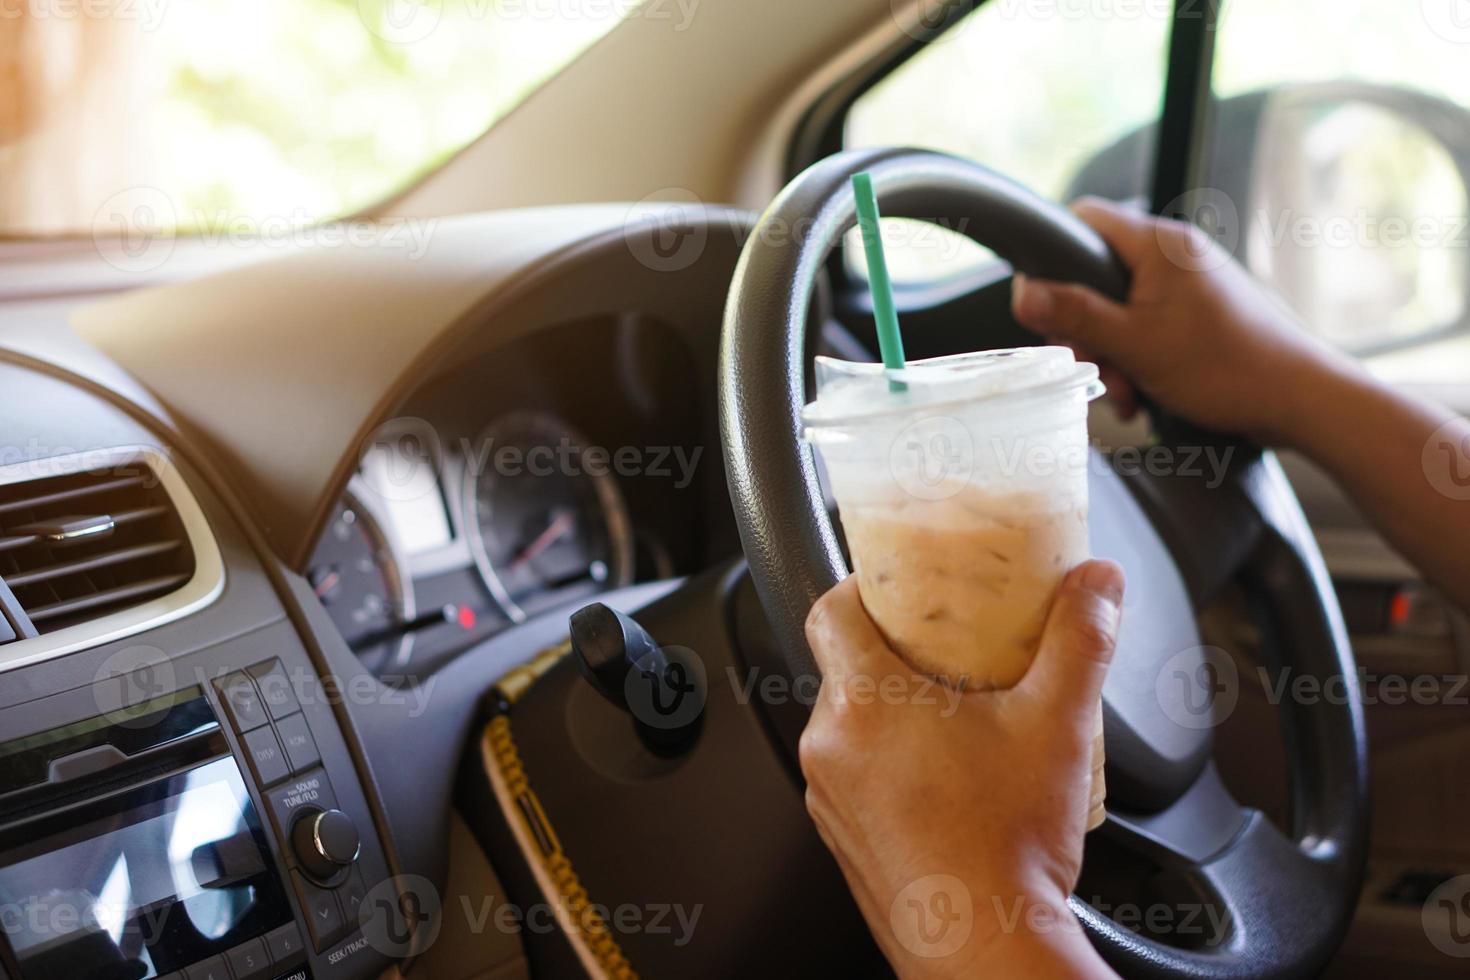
x: 852, y: 392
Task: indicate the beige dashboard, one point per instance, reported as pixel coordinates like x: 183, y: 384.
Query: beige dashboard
x: 282, y: 369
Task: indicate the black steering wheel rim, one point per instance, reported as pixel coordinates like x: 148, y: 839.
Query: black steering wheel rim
x: 1288, y: 896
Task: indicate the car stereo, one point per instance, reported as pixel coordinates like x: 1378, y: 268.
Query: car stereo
x: 130, y: 849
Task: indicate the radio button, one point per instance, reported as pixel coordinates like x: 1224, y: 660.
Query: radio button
x: 319, y: 906
x: 242, y: 701
x: 249, y: 960
x: 284, y: 943
x: 311, y: 791
x: 275, y: 688
x: 266, y: 757
x: 296, y: 738
x: 211, y: 969
x: 352, y: 893
x: 326, y: 844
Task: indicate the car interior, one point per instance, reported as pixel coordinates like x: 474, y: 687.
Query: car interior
x: 383, y: 383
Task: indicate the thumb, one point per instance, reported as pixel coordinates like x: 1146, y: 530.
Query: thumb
x: 1077, y: 645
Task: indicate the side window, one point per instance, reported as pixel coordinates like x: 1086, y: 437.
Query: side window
x: 1036, y: 91
x: 1341, y: 158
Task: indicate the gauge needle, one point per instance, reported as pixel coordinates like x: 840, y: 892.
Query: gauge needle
x: 545, y: 539
x: 327, y: 584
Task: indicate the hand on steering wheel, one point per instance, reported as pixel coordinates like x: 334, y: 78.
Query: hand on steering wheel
x: 1198, y: 332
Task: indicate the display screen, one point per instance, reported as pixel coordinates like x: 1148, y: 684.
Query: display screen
x: 404, y: 479
x: 139, y: 884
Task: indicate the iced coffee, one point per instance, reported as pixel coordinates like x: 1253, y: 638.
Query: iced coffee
x: 962, y: 488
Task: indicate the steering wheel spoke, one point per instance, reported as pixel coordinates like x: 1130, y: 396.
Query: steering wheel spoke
x: 1201, y: 824
x: 1202, y: 501
x: 1183, y: 911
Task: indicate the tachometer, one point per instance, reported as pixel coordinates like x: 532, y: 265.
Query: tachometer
x: 357, y: 575
x: 547, y: 522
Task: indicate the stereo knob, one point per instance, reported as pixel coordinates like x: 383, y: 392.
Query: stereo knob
x: 325, y: 842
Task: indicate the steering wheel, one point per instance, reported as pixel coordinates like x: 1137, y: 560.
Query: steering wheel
x: 1285, y: 897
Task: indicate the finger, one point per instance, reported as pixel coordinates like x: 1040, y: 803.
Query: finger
x: 816, y: 808
x: 1125, y: 404
x: 1077, y: 645
x: 1120, y: 391
x: 857, y: 882
x: 844, y: 639
x: 1130, y: 232
x: 1079, y: 352
x: 1076, y: 315
x: 1121, y: 394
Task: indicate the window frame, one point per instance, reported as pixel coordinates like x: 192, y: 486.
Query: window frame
x: 1180, y: 153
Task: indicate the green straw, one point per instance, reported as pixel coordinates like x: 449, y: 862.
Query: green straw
x: 890, y: 341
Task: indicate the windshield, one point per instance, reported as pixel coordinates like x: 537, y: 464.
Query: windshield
x: 218, y: 112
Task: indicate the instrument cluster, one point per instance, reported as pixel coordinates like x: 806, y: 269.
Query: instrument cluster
x: 523, y: 482
x: 432, y: 544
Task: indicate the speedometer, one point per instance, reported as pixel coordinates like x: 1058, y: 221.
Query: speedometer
x: 547, y: 522
x: 356, y: 573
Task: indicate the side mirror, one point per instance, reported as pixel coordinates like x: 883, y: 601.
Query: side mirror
x: 1351, y: 200
x: 1357, y: 212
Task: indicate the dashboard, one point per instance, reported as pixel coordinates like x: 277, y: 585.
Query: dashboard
x: 274, y: 535
x: 511, y: 486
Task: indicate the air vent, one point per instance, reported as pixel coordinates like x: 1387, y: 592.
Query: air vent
x: 86, y: 541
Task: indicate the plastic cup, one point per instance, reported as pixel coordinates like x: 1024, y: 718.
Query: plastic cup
x: 963, y: 495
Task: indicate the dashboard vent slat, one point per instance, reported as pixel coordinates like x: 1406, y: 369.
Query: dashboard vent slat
x: 57, y: 583
x: 45, y: 498
x: 135, y: 592
x: 103, y: 560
